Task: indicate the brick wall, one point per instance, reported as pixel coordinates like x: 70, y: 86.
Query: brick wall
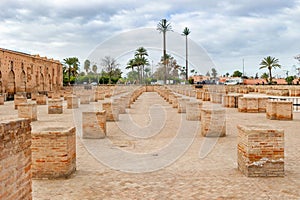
x: 15, y: 159
x: 260, y: 150
x: 53, y: 152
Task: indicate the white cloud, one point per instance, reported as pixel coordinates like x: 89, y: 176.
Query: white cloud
x: 229, y: 30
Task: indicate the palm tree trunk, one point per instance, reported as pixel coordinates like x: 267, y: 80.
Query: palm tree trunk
x: 164, y: 61
x: 186, y: 58
x: 270, y: 73
x: 69, y: 74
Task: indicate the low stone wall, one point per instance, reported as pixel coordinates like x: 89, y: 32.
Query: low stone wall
x: 149, y: 88
x: 231, y: 100
x: 252, y: 104
x: 279, y: 110
x: 53, y: 152
x: 260, y: 150
x: 279, y: 92
x: 15, y: 160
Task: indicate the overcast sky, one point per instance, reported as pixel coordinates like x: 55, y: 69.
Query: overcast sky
x: 228, y: 30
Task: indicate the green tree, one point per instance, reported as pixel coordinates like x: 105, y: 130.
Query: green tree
x: 270, y: 63
x: 141, y: 60
x: 214, y: 72
x: 208, y: 73
x: 131, y: 64
x: 147, y: 71
x: 265, y: 76
x: 289, y: 80
x: 186, y: 32
x: 94, y: 68
x: 163, y: 27
x: 87, y: 65
x: 237, y: 73
x: 71, y: 67
x: 132, y: 76
x: 109, y: 64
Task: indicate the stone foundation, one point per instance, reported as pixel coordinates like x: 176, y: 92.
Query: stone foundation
x: 260, y: 150
x: 55, y: 106
x: 15, y: 160
x: 53, y: 152
x: 279, y: 110
x: 28, y: 110
x: 94, y: 125
x: 213, y: 122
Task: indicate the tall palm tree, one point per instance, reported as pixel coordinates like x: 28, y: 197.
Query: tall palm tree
x: 94, y: 68
x: 163, y: 26
x: 71, y: 66
x: 87, y: 65
x: 131, y: 64
x: 270, y: 63
x: 186, y: 32
x: 141, y: 60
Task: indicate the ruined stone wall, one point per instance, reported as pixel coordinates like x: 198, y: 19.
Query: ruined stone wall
x: 260, y: 150
x: 20, y: 72
x: 15, y: 159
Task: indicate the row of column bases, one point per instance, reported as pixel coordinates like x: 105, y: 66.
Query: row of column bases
x: 260, y: 148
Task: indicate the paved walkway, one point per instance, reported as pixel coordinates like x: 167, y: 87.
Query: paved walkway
x: 167, y: 164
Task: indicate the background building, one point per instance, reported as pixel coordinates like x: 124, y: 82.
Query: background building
x: 21, y: 72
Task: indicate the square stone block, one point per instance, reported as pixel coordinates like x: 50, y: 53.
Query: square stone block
x: 260, y: 150
x: 53, y: 152
x: 213, y: 122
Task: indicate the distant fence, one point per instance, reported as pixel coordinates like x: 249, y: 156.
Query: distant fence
x: 295, y: 100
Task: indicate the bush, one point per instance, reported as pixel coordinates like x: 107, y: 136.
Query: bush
x: 289, y: 80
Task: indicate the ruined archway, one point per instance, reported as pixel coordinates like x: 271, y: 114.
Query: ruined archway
x: 1, y: 91
x: 23, y: 82
x: 42, y: 83
x: 50, y: 83
x: 11, y: 85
